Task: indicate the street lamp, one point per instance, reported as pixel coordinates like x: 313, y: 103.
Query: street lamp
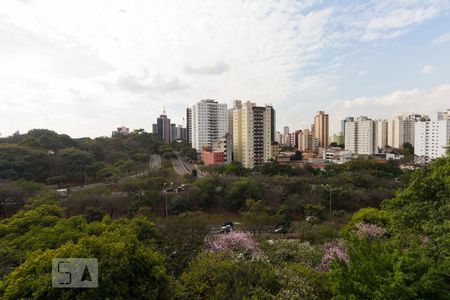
x: 330, y: 189
x: 165, y: 194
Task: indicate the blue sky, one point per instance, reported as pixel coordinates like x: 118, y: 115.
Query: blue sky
x: 86, y: 67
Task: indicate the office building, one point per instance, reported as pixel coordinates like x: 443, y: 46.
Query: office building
x: 209, y: 123
x: 432, y: 137
x: 252, y: 133
x: 321, y: 126
x: 162, y: 128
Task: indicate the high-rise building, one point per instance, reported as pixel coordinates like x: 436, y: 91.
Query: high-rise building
x: 360, y: 136
x: 162, y: 127
x: 307, y: 142
x: 273, y: 123
x: 286, y: 130
x: 347, y: 119
x: 181, y: 133
x: 295, y: 145
x: 401, y: 129
x: 252, y: 133
x: 381, y: 134
x: 209, y: 123
x: 189, y: 124
x: 432, y: 137
x: 321, y: 128
x: 173, y: 132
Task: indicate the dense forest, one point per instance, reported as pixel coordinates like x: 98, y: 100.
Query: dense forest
x: 385, y: 235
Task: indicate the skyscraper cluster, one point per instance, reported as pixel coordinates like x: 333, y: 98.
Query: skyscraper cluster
x: 243, y: 133
x: 168, y: 131
x: 430, y: 138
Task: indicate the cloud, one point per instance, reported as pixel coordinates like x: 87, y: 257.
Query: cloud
x: 270, y: 51
x: 399, y: 100
x: 427, y: 69
x: 442, y: 39
x: 156, y: 84
x: 396, y: 22
x: 215, y: 69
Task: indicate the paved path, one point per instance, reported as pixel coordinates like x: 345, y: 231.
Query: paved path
x: 179, y: 166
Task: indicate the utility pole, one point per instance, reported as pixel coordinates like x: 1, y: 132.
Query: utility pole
x: 330, y: 189
x: 165, y: 194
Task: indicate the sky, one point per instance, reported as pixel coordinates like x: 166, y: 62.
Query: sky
x: 85, y: 67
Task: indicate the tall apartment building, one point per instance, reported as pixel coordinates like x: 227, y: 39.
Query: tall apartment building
x: 360, y: 136
x: 432, y: 137
x: 189, y: 124
x: 321, y: 126
x: 286, y: 130
x: 401, y: 129
x: 209, y: 123
x: 347, y: 119
x: 162, y: 128
x: 307, y: 142
x: 381, y: 134
x: 252, y: 133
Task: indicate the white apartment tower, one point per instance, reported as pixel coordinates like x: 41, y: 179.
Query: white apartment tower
x: 252, y: 133
x: 432, y: 138
x: 360, y: 136
x: 209, y: 123
x: 401, y: 129
x: 381, y: 134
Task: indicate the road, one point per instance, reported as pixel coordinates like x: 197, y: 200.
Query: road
x: 179, y: 167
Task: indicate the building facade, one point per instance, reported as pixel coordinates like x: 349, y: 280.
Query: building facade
x: 307, y: 142
x: 162, y: 128
x: 209, y: 123
x: 252, y: 133
x: 189, y: 125
x: 360, y: 136
x: 381, y: 134
x: 321, y: 128
x: 432, y: 137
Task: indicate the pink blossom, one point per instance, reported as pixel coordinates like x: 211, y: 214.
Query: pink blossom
x: 333, y: 250
x: 237, y: 242
x: 369, y: 230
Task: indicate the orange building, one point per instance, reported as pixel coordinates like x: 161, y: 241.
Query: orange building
x: 209, y: 157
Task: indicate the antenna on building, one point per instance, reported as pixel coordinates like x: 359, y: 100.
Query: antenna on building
x: 164, y: 110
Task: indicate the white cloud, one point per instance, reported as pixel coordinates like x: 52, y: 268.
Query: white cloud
x: 100, y: 64
x: 395, y: 103
x: 427, y: 69
x: 442, y: 39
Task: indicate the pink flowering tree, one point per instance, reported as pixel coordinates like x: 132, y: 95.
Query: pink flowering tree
x: 367, y: 230
x: 333, y: 250
x: 237, y: 242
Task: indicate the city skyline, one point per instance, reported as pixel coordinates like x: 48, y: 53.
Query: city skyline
x: 84, y: 78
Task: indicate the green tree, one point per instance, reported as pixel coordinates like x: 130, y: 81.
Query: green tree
x: 217, y: 276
